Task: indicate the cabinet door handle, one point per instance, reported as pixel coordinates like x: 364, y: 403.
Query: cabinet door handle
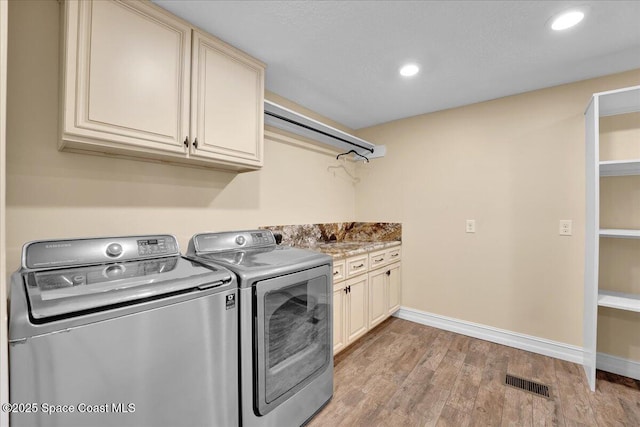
x: 186, y: 141
x: 349, y: 287
x: 335, y: 273
x: 346, y: 290
x: 357, y: 266
x: 379, y: 259
x: 195, y: 143
x: 388, y: 273
x: 394, y: 255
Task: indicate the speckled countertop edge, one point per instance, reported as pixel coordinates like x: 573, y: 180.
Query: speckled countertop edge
x: 339, y: 253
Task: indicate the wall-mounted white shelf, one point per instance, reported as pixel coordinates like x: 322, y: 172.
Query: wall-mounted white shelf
x: 620, y: 101
x: 620, y: 167
x: 283, y: 118
x: 619, y: 300
x: 620, y: 233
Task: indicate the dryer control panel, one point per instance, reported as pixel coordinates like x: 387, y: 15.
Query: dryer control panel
x: 226, y: 241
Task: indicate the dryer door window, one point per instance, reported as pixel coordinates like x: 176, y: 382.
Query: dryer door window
x: 293, y: 328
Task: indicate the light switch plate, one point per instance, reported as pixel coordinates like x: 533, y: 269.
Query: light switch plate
x: 566, y: 227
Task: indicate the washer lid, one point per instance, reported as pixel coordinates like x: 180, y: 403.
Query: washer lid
x: 63, y: 292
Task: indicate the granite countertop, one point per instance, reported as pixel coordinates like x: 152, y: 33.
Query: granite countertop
x: 340, y: 239
x: 342, y: 249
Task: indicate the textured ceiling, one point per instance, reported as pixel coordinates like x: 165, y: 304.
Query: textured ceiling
x: 341, y: 58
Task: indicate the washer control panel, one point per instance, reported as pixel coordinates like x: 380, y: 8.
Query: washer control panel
x: 260, y: 238
x: 162, y: 246
x: 61, y: 253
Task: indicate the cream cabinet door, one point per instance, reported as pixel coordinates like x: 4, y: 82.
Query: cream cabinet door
x: 126, y: 77
x: 227, y: 103
x: 395, y: 287
x: 357, y: 313
x: 378, y: 300
x: 339, y: 299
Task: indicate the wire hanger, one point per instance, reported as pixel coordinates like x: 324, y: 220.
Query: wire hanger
x: 354, y: 152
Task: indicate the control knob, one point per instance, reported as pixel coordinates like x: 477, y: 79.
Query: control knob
x: 240, y: 240
x: 114, y: 250
x: 114, y: 271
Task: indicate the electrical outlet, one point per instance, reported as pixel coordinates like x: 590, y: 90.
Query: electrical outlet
x: 471, y: 226
x: 566, y: 227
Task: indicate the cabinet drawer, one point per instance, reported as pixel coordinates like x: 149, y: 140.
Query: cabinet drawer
x: 338, y: 271
x: 394, y: 254
x: 378, y: 258
x: 357, y: 265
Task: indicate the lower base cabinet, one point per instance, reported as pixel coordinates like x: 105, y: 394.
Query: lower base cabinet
x: 365, y: 299
x: 350, y: 303
x: 395, y: 288
x: 378, y: 284
x: 356, y: 307
x: 339, y: 334
x: 384, y: 293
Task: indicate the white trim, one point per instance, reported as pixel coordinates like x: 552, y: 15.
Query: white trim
x: 4, y: 346
x: 618, y: 365
x: 538, y: 345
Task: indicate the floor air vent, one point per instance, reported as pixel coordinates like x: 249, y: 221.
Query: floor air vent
x: 526, y: 385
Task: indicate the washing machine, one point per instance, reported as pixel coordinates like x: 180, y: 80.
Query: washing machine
x: 286, y: 352
x: 121, y: 331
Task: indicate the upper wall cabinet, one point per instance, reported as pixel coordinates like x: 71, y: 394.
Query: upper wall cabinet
x: 227, y: 97
x: 138, y: 81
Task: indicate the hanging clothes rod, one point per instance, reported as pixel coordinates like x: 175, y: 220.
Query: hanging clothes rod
x: 277, y: 116
x: 291, y: 121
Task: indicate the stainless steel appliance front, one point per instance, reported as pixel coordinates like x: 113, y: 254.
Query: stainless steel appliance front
x: 286, y: 298
x: 137, y: 342
x: 292, y: 330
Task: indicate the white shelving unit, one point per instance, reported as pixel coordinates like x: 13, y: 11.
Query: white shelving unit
x: 603, y: 104
x: 620, y: 233
x: 619, y: 300
x: 620, y: 167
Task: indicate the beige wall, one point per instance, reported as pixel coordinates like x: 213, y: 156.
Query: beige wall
x: 57, y: 195
x: 516, y: 166
x: 620, y: 137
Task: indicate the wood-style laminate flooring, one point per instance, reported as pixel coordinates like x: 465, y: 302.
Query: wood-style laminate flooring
x: 406, y: 374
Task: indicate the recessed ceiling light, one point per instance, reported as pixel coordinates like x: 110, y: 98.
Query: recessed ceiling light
x: 409, y: 70
x: 567, y: 20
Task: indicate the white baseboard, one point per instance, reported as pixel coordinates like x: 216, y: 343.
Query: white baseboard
x: 618, y: 365
x: 530, y: 343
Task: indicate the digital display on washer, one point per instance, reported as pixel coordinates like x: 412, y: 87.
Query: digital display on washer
x: 155, y: 246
